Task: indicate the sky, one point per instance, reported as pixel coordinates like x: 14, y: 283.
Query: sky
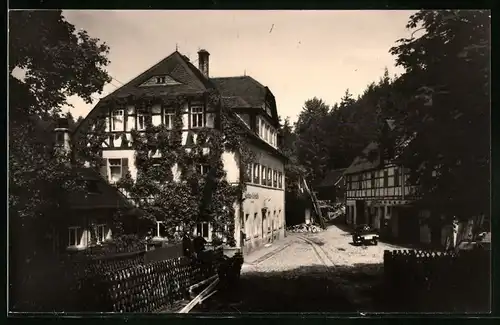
x: 297, y: 54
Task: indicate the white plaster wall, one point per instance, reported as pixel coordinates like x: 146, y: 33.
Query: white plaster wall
x: 231, y: 167
x: 257, y: 198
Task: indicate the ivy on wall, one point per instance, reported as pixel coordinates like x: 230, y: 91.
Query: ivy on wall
x: 190, y: 197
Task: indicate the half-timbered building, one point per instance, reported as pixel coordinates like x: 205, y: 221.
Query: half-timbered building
x: 261, y: 216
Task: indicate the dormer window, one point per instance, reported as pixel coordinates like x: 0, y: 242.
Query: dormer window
x: 164, y: 80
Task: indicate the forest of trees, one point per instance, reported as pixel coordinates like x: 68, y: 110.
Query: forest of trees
x: 443, y: 96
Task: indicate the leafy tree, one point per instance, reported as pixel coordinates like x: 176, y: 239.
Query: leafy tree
x: 293, y: 168
x: 446, y: 86
x: 48, y: 61
x: 310, y: 130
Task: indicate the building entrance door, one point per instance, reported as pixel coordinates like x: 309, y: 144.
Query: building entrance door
x: 360, y: 212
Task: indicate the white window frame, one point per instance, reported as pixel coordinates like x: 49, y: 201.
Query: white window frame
x: 207, y: 236
x: 77, y: 241
x: 256, y: 173
x: 110, y: 166
x: 104, y: 233
x: 116, y: 115
x: 197, y: 112
x: 169, y: 116
x: 139, y: 116
x: 158, y: 222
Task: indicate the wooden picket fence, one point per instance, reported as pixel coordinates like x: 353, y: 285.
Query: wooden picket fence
x: 151, y: 287
x: 126, y: 282
x: 423, y: 281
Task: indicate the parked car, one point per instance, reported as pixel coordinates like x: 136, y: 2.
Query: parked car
x: 481, y: 242
x: 365, y: 234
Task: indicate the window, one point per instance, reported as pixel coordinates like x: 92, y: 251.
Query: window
x: 156, y: 161
x: 247, y: 215
x: 161, y: 229
x: 160, y: 80
x: 59, y: 138
x: 280, y: 180
x: 197, y: 117
x: 248, y: 174
x: 275, y: 178
x: 396, y: 176
x: 263, y: 179
x: 141, y: 120
x: 373, y: 179
x: 269, y: 177
x: 255, y: 225
x: 256, y: 173
x: 117, y: 120
x: 74, y: 236
x: 202, y: 169
x: 115, y: 169
x: 169, y: 116
x: 100, y: 233
x: 202, y: 229
x: 386, y: 178
x: 360, y: 181
x: 266, y: 132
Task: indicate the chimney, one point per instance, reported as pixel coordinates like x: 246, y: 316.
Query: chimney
x: 62, y: 143
x: 203, y: 62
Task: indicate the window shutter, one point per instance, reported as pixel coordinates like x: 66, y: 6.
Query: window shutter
x: 124, y: 166
x: 104, y: 168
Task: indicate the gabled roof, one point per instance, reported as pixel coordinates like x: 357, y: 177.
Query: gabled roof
x: 176, y: 66
x: 369, y: 159
x: 106, y: 196
x: 332, y: 178
x: 243, y: 90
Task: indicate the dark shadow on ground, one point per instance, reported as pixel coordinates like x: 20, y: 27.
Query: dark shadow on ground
x: 305, y: 289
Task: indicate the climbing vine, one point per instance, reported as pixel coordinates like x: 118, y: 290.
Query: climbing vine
x: 168, y: 186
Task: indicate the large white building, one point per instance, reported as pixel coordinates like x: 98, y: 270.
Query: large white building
x: 261, y: 216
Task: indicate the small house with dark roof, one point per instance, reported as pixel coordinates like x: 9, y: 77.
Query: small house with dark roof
x: 332, y: 187
x: 90, y: 206
x: 261, y: 217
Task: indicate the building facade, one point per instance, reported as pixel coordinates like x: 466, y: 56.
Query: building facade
x: 260, y: 217
x: 378, y: 193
